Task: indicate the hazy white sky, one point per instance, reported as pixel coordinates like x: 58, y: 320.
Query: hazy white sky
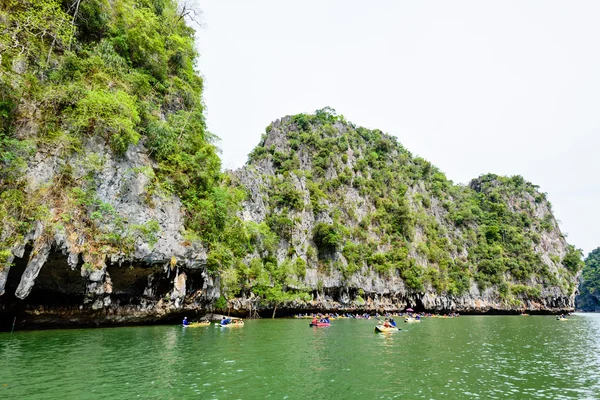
x: 508, y: 87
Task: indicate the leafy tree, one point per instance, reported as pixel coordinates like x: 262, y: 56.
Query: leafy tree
x: 327, y: 237
x: 589, y: 288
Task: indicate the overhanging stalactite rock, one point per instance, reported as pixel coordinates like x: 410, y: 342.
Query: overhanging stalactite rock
x: 39, y: 257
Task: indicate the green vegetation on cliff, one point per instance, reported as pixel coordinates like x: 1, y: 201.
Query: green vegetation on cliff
x: 374, y: 206
x: 589, y: 288
x: 119, y: 72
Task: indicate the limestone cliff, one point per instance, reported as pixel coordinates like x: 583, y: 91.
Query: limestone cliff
x: 114, y: 208
x: 108, y: 178
x: 358, y: 228
x: 374, y: 226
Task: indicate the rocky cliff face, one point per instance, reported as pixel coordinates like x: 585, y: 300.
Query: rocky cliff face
x: 379, y: 228
x: 338, y: 218
x: 105, y: 249
x: 107, y: 174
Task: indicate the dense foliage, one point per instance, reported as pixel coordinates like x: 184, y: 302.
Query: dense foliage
x: 120, y: 72
x: 589, y: 289
x: 375, y: 206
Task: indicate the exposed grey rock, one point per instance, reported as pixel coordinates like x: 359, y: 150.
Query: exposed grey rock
x: 178, y: 293
x: 4, y: 274
x: 121, y: 184
x: 39, y: 256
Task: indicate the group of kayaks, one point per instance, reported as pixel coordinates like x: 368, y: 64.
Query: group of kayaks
x: 225, y: 323
x: 387, y: 326
x: 382, y: 327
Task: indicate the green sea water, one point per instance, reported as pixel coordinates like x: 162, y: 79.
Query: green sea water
x: 484, y: 357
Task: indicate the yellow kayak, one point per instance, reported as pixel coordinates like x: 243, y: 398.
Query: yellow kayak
x: 383, y: 329
x: 411, y: 320
x: 197, y: 324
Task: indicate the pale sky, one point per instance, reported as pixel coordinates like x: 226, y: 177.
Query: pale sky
x: 507, y: 87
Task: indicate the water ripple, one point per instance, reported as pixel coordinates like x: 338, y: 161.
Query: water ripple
x: 467, y: 357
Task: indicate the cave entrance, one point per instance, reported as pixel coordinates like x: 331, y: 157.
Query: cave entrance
x: 133, y: 281
x: 56, y: 284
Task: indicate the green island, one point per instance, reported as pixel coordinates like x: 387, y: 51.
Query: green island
x: 334, y: 264
x: 588, y: 298
x: 115, y: 209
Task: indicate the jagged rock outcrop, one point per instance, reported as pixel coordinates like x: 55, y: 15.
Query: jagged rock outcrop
x: 379, y: 228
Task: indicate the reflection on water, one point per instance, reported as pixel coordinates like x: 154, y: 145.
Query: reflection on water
x: 466, y: 357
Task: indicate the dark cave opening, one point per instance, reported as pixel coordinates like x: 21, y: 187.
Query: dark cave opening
x: 57, y: 284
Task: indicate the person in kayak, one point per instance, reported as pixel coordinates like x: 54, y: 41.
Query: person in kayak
x: 386, y: 324
x: 392, y: 322
x: 185, y: 321
x: 314, y: 321
x: 225, y: 321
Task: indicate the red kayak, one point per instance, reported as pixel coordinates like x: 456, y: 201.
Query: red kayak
x: 320, y: 324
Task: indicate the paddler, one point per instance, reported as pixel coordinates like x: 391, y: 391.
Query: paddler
x: 185, y: 321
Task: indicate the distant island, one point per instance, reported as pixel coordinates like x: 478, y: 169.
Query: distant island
x: 588, y: 298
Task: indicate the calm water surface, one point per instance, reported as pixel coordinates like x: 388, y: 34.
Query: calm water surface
x: 483, y: 357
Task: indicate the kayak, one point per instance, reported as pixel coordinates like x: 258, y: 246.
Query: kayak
x: 197, y: 324
x: 383, y: 329
x: 562, y: 319
x: 320, y: 324
x: 231, y: 325
x: 411, y: 320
